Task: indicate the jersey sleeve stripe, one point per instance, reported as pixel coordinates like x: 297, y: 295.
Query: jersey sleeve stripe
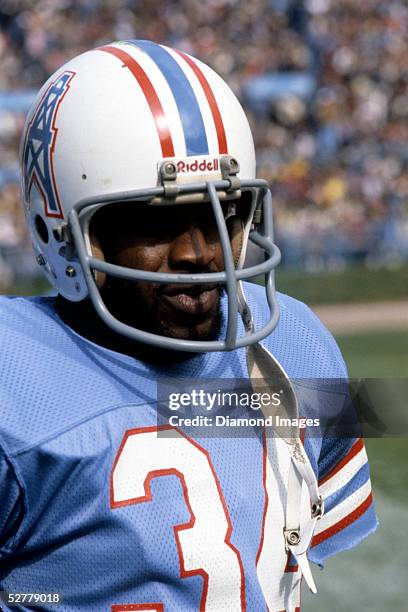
x: 349, y: 487
x: 343, y: 513
x: 357, y: 447
x: 345, y: 538
x: 212, y: 102
x: 162, y: 126
x: 344, y: 522
x: 344, y: 474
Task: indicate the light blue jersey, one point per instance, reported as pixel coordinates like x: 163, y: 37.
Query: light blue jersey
x: 95, y: 505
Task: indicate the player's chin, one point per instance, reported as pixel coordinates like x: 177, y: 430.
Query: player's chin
x: 198, y: 332
x: 202, y: 327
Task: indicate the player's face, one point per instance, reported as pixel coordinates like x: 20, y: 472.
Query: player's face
x: 171, y: 239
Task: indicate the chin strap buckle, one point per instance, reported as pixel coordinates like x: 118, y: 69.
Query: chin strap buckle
x: 292, y: 538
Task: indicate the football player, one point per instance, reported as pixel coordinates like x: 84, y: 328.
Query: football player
x: 140, y: 193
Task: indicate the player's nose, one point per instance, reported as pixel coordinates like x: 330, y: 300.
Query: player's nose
x: 192, y: 248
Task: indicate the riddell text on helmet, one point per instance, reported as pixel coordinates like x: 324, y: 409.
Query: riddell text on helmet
x: 204, y: 165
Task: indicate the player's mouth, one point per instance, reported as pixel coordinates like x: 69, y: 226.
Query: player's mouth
x: 191, y: 300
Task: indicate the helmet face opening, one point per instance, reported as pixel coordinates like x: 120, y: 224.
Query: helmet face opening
x: 145, y: 124
x: 229, y: 278
x: 150, y: 223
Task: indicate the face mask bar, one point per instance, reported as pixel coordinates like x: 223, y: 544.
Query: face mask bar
x: 230, y: 277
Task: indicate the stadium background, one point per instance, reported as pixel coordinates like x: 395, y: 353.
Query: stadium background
x: 325, y: 83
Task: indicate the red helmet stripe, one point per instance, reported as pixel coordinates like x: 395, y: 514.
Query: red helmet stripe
x: 215, y: 111
x: 162, y: 126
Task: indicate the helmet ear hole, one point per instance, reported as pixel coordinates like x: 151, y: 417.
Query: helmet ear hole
x: 41, y: 229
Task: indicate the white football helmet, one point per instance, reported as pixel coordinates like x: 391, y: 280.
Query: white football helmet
x: 137, y: 121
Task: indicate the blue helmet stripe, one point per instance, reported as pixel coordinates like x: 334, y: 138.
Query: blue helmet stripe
x: 190, y: 114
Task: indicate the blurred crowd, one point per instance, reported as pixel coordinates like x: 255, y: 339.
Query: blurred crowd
x: 333, y: 149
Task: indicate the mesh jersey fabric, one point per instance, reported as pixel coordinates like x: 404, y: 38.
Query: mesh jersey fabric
x: 65, y: 407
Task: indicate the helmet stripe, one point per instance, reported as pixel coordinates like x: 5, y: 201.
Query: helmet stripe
x: 212, y: 102
x: 189, y: 110
x: 163, y: 130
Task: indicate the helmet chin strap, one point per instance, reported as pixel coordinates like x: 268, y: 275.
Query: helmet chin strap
x: 263, y: 370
